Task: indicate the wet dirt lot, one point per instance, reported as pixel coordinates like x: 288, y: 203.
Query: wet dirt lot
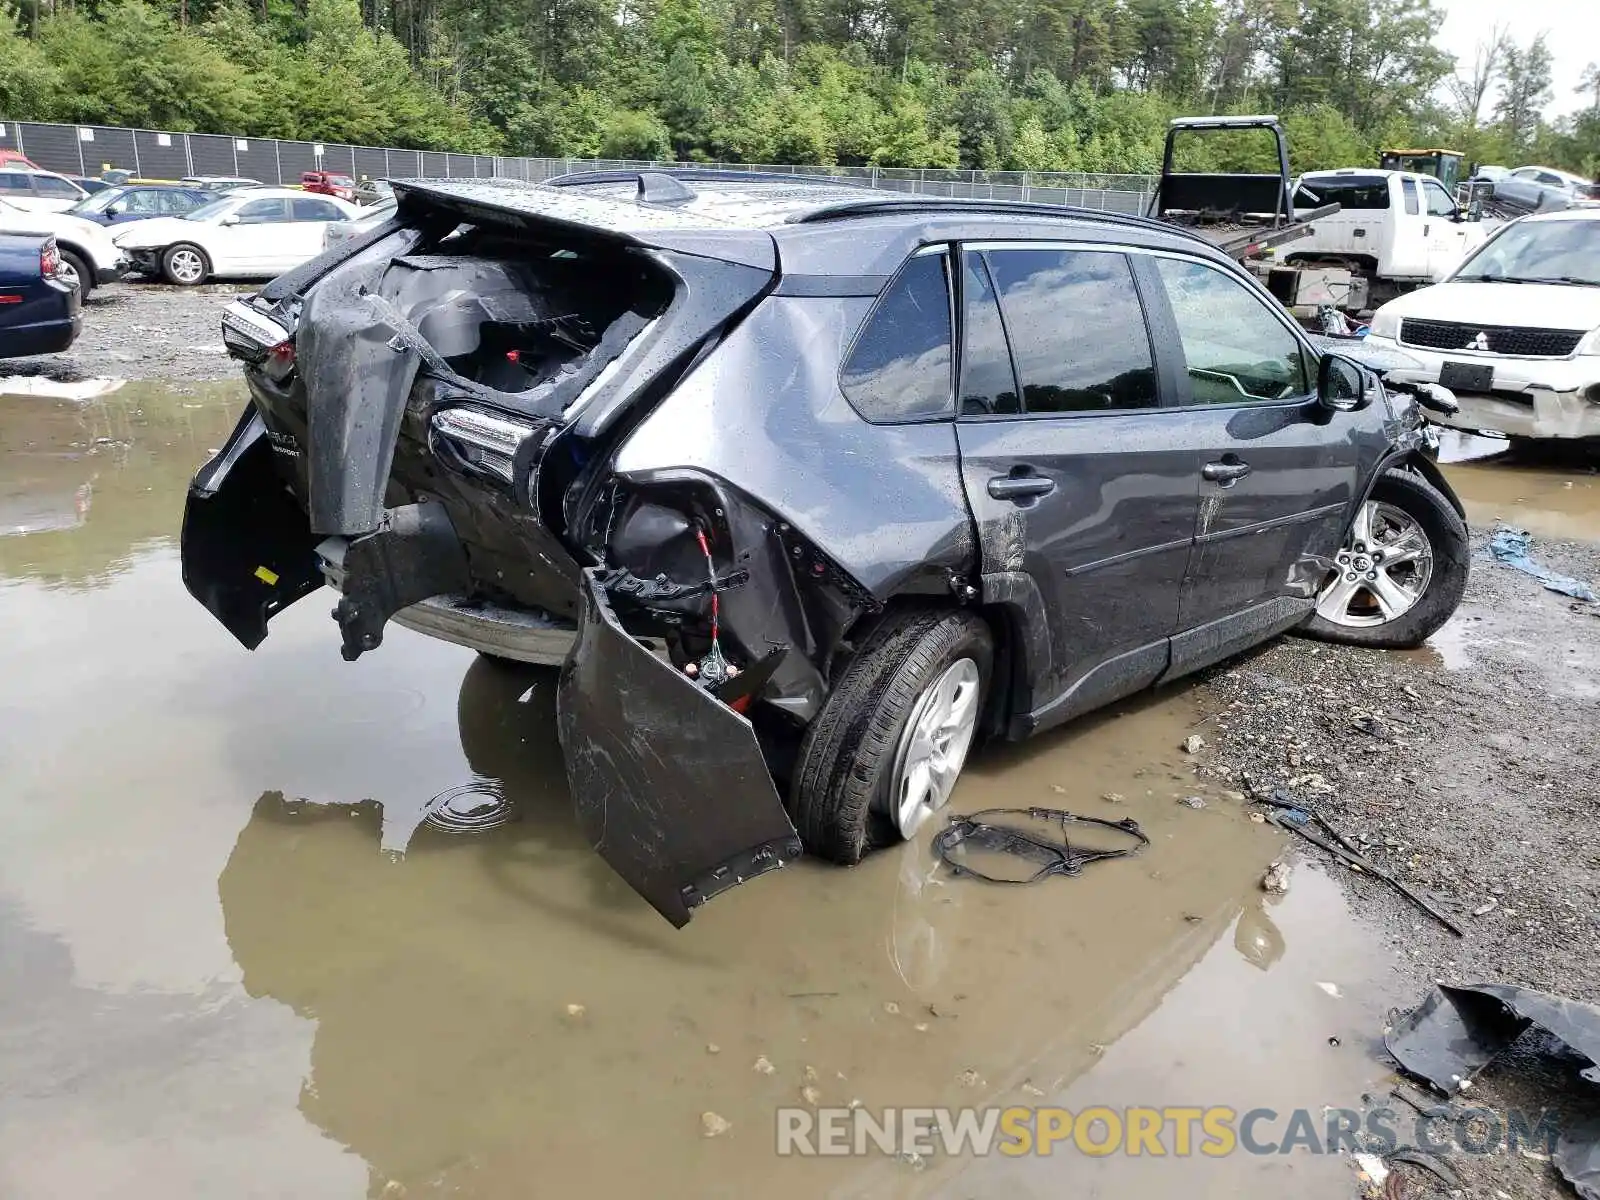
x: 241, y: 960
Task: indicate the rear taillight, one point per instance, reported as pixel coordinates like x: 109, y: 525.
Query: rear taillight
x: 49, y: 260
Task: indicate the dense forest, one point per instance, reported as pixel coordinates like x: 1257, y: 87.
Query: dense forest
x: 1067, y: 85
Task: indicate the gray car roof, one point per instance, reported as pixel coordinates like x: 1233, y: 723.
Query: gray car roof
x: 819, y: 225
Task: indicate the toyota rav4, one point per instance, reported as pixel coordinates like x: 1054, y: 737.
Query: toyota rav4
x: 809, y: 488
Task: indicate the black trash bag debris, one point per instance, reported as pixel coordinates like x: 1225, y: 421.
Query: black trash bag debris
x: 978, y: 831
x: 1457, y: 1031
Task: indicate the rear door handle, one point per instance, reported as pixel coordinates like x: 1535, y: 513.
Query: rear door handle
x: 1020, y: 487
x: 1225, y: 473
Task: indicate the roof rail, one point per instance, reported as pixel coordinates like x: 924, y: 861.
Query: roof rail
x: 698, y: 175
x: 917, y: 203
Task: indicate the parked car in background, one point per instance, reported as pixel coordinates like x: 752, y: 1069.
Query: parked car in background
x: 370, y: 218
x: 40, y: 311
x: 373, y: 191
x: 89, y: 184
x: 1515, y: 331
x: 43, y: 191
x: 13, y: 158
x: 88, y: 255
x: 327, y: 183
x: 248, y: 233
x: 1538, y: 189
x: 878, y: 476
x: 140, y: 202
x: 1489, y: 174
x: 219, y: 183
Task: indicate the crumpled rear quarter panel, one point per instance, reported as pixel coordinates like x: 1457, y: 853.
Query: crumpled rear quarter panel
x: 765, y: 413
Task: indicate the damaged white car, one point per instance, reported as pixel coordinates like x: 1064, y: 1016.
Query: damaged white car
x: 1515, y: 331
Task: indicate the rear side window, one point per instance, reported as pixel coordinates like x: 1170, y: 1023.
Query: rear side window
x: 48, y: 185
x: 1358, y: 192
x: 899, y: 369
x: 988, y: 385
x: 316, y: 210
x: 1409, y: 187
x: 1077, y: 330
x: 14, y: 181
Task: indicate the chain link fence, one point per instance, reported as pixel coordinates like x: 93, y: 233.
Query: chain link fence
x: 151, y: 154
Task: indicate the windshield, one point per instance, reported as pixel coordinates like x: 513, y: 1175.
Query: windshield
x: 208, y: 211
x: 100, y: 201
x: 1563, y: 251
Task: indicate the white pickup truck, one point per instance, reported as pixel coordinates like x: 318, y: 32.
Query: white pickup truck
x: 1394, y: 230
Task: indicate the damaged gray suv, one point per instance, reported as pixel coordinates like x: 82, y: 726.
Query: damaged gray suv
x: 809, y: 488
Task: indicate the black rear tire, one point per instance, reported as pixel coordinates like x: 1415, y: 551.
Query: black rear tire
x: 839, y: 794
x: 82, y: 271
x: 1452, y: 551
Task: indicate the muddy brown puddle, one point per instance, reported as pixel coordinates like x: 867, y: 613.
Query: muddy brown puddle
x: 240, y: 959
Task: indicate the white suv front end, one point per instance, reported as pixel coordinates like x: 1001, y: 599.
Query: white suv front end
x: 1514, y: 332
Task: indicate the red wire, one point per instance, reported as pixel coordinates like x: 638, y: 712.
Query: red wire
x: 705, y: 548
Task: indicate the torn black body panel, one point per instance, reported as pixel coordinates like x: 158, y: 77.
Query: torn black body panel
x: 247, y: 550
x: 669, y: 781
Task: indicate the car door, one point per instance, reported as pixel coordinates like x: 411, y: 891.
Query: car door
x: 1446, y: 234
x: 1280, y: 474
x: 259, y: 239
x: 1408, y: 258
x: 1519, y: 187
x: 1083, y: 488
x: 310, y: 217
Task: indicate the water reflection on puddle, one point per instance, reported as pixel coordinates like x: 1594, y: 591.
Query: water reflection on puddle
x: 244, y: 957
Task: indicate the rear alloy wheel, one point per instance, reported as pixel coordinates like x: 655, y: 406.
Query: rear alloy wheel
x: 1401, y: 571
x: 185, y: 265
x: 887, y: 748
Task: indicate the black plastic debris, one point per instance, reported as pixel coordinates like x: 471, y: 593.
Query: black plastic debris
x: 1457, y: 1031
x: 980, y: 831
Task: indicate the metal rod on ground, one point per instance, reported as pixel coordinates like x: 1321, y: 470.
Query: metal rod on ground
x: 1349, y: 856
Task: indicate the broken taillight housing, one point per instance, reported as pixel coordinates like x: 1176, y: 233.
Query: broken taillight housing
x: 49, y: 260
x: 279, y: 363
x: 478, y: 442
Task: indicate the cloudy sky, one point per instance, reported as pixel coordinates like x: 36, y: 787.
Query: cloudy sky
x: 1573, y: 26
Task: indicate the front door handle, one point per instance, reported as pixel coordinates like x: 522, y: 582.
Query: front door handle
x: 1020, y: 487
x: 1227, y: 473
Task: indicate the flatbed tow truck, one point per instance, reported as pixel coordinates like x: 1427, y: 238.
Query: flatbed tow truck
x: 1242, y: 214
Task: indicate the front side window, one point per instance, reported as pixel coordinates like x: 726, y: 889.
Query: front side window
x: 1077, y: 330
x: 14, y: 181
x: 900, y: 366
x: 1439, y: 202
x: 1237, y: 350
x: 142, y: 202
x: 261, y: 212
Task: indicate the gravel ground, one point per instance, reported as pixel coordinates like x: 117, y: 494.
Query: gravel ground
x: 139, y: 330
x: 1469, y: 772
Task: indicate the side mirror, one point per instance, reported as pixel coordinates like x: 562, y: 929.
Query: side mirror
x: 230, y: 219
x: 1343, y: 385
x: 114, y: 210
